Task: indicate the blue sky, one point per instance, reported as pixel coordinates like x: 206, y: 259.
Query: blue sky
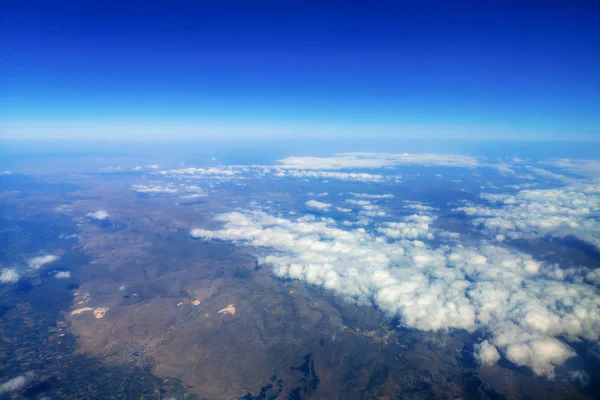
x: 187, y: 69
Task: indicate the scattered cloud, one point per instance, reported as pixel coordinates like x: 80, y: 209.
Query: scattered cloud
x: 317, y: 205
x: 99, y: 215
x: 9, y: 275
x: 418, y: 206
x: 559, y: 212
x: 38, y: 262
x: 63, y: 275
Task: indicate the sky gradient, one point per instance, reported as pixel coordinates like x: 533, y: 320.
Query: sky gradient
x: 479, y: 70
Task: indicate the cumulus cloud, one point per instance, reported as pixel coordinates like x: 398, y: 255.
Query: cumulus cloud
x: 9, y: 275
x: 486, y: 353
x: 418, y: 206
x: 317, y: 205
x: 99, y: 215
x: 17, y: 383
x: 38, y: 262
x: 526, y: 314
x: 63, y: 275
x: 570, y: 210
x: 368, y: 208
x: 412, y: 227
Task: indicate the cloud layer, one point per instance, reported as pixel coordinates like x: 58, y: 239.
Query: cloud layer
x: 526, y: 311
x: 377, y: 160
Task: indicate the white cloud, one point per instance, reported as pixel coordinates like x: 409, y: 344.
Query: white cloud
x: 212, y: 171
x: 534, y: 213
x: 38, y: 262
x: 525, y: 311
x: 344, y: 176
x: 9, y: 275
x: 170, y: 189
x: 372, y: 196
x: 486, y: 353
x: 367, y: 208
x: 586, y: 168
x: 413, y: 227
x: 317, y: 205
x: 17, y: 383
x: 136, y: 168
x: 155, y: 189
x: 418, y: 206
x: 376, y: 160
x: 99, y: 215
x: 63, y: 275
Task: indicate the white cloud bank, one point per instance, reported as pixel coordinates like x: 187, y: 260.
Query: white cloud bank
x: 377, y: 160
x: 99, y: 215
x: 526, y: 312
x: 571, y: 210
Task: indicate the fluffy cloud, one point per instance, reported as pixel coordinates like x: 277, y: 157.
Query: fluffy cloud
x: 418, y: 206
x: 526, y: 314
x: 99, y: 215
x: 9, y: 275
x: 412, y: 227
x: 63, y: 275
x: 367, y: 208
x: 486, y: 353
x: 317, y: 205
x: 38, y: 262
x: 570, y: 210
x: 17, y: 383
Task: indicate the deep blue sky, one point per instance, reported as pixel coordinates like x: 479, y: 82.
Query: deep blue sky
x: 188, y: 69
